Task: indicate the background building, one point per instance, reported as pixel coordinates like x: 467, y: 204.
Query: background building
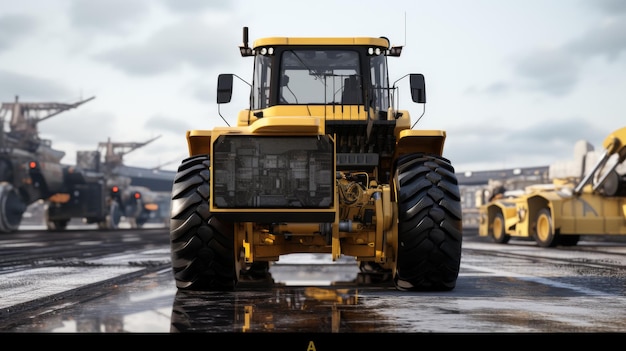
x: 477, y: 187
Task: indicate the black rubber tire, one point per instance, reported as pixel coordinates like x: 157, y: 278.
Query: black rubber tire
x: 202, y: 247
x: 12, y: 208
x: 429, y: 224
x: 544, y: 232
x: 498, y: 232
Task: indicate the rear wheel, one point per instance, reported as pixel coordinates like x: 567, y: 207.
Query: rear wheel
x: 429, y: 224
x: 12, y: 208
x: 202, y: 247
x: 545, y: 235
x: 498, y: 231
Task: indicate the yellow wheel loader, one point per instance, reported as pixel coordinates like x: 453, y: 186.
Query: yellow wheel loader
x: 590, y: 203
x: 320, y: 162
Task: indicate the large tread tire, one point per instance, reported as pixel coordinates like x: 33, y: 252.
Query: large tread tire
x: 202, y: 247
x: 498, y: 230
x: 12, y: 208
x: 429, y: 224
x: 544, y: 232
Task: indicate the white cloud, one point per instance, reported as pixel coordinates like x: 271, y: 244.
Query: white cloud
x: 513, y: 83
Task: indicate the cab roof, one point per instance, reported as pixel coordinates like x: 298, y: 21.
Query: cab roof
x: 348, y: 41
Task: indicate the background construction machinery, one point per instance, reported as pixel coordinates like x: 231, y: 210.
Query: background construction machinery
x: 95, y: 190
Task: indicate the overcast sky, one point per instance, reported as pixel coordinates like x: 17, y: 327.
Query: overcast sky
x: 513, y: 83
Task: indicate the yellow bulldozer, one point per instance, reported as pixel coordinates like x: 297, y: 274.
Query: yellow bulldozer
x: 587, y: 196
x: 321, y: 161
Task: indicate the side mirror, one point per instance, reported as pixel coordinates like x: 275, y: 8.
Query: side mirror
x: 224, y: 88
x: 418, y: 88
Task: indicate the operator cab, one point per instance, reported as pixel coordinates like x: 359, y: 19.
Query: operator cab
x: 321, y: 71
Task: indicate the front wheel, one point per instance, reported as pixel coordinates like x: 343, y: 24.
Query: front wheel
x: 498, y: 230
x: 429, y: 224
x: 544, y: 233
x: 202, y: 246
x: 12, y: 208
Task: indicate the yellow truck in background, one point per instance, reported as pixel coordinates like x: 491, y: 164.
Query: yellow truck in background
x: 591, y: 200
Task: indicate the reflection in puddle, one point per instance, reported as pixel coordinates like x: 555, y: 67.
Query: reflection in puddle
x: 264, y: 306
x: 291, y: 297
x: 139, y: 312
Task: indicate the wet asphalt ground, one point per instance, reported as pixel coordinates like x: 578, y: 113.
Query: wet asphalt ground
x: 511, y: 289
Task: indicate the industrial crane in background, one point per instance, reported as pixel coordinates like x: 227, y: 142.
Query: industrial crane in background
x: 31, y: 172
x: 21, y: 146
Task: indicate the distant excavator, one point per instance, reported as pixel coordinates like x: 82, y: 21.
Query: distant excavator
x: 21, y: 146
x: 122, y: 199
x: 31, y: 170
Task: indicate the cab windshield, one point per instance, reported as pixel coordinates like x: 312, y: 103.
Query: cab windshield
x: 320, y: 76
